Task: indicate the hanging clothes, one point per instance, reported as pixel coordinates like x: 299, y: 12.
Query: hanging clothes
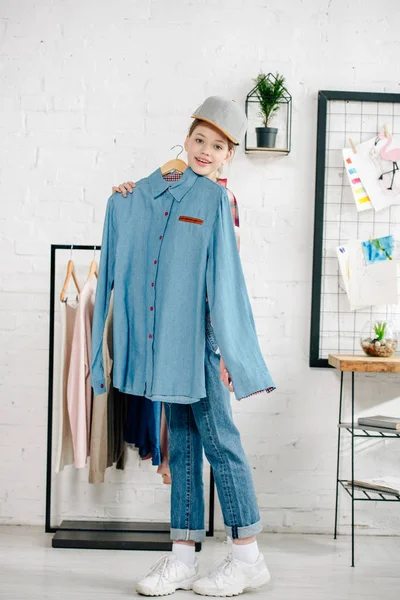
x: 79, y: 393
x: 190, y: 221
x: 143, y: 426
x: 118, y: 419
x: 164, y: 469
x: 65, y: 450
x: 100, y: 440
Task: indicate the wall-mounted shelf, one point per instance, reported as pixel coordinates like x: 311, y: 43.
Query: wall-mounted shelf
x: 283, y: 119
x: 252, y: 150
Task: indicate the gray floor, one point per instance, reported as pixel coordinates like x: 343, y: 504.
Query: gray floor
x: 302, y: 567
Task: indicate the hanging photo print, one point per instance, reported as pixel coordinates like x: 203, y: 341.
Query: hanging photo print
x: 361, y: 197
x: 369, y: 278
x: 377, y: 165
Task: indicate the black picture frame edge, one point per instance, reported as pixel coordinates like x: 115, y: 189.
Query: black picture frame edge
x: 323, y: 97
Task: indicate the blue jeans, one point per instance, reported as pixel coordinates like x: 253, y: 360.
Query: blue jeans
x: 209, y: 424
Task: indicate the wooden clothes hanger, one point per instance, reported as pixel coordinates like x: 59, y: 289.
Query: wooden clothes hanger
x: 176, y: 164
x: 93, y: 269
x: 70, y: 273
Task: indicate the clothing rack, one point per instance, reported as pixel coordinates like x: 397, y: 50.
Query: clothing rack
x: 115, y: 535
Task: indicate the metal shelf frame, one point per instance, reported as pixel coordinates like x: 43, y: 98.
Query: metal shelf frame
x: 355, y: 493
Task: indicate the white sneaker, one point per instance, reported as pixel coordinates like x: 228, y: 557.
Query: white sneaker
x: 168, y: 575
x: 233, y: 577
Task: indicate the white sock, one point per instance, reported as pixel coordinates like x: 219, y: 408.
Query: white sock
x: 184, y: 553
x: 246, y: 552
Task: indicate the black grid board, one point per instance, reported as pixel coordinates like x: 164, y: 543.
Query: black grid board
x: 336, y: 329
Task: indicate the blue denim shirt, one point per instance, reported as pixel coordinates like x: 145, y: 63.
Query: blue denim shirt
x: 164, y: 248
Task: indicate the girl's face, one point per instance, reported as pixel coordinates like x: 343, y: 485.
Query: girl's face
x: 207, y: 149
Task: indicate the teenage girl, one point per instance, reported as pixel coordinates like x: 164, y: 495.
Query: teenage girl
x: 209, y: 424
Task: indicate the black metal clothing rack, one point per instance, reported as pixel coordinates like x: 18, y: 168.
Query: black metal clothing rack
x: 115, y: 535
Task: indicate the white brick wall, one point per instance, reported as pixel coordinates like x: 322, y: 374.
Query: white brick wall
x: 94, y: 93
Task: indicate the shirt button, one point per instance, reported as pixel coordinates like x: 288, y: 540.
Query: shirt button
x: 155, y: 262
x: 160, y: 237
x: 150, y: 336
x: 151, y: 308
x: 152, y: 285
x: 166, y: 214
x: 102, y: 385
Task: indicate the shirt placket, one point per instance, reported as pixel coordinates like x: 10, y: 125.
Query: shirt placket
x: 159, y: 232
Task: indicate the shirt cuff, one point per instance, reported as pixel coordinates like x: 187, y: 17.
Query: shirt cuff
x: 99, y: 387
x: 267, y: 390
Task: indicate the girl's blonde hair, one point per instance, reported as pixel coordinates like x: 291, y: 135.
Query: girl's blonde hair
x: 231, y: 145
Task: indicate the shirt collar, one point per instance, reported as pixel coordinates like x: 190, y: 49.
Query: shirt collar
x: 178, y: 189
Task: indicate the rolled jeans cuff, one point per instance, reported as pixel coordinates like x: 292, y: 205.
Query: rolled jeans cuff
x: 235, y: 532
x: 195, y: 535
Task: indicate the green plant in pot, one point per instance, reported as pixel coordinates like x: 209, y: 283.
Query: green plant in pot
x: 269, y: 91
x: 379, y: 338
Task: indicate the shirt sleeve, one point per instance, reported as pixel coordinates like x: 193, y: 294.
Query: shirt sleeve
x: 235, y: 218
x: 105, y: 284
x: 235, y: 215
x: 230, y: 309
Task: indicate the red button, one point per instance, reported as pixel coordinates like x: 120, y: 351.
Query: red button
x: 166, y: 214
x: 152, y: 285
x: 102, y: 385
x: 155, y: 262
x: 151, y: 308
x: 160, y: 237
x: 150, y: 336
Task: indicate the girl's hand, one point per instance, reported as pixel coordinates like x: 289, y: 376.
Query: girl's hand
x: 224, y: 375
x: 124, y: 187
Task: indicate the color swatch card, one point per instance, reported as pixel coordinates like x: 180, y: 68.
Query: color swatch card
x: 361, y: 197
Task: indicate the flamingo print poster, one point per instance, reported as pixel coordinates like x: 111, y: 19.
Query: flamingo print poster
x: 377, y: 164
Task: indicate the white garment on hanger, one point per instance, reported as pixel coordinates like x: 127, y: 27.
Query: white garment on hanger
x: 65, y: 451
x: 79, y: 391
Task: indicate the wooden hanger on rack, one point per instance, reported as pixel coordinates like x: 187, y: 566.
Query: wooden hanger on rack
x: 93, y: 269
x: 70, y: 273
x: 176, y: 164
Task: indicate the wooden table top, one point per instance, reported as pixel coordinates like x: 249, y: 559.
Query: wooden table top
x: 364, y: 364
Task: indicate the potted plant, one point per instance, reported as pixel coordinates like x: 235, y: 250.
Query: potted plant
x: 379, y: 338
x: 269, y: 91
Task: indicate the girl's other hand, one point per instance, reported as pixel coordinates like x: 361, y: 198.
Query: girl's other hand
x: 124, y: 187
x: 224, y: 375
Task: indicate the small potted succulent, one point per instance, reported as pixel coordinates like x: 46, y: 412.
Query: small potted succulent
x: 379, y: 338
x: 270, y: 91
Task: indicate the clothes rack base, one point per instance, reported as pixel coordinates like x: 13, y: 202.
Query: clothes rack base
x: 114, y: 535
x: 104, y: 535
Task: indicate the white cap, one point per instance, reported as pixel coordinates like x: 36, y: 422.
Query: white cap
x: 225, y: 114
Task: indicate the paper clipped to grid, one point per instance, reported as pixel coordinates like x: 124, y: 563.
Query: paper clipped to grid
x: 367, y: 283
x: 361, y: 198
x: 377, y: 162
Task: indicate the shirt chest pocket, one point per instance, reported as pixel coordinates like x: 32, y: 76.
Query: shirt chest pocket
x: 190, y: 234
